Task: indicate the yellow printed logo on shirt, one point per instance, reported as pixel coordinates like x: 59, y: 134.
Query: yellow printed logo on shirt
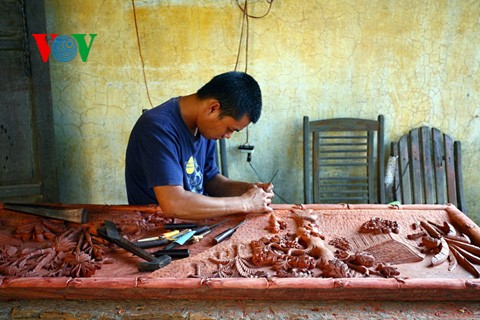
x: 190, y: 167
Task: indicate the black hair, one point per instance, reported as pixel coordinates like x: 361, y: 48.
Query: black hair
x: 238, y: 94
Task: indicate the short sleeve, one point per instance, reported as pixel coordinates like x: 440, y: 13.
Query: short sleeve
x: 159, y: 155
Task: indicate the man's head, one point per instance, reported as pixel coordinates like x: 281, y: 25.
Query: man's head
x: 238, y: 94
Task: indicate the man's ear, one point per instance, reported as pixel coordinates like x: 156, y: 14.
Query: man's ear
x: 213, y: 106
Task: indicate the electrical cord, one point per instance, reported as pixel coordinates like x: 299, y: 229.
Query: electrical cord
x: 245, y: 20
x: 270, y: 2
x: 260, y: 179
x: 140, y: 53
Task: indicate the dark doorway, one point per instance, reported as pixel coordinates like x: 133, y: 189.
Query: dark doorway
x: 27, y: 156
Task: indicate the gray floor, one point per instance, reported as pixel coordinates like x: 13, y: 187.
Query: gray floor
x: 239, y: 309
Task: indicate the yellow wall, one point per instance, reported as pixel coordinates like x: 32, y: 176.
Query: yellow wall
x: 416, y: 62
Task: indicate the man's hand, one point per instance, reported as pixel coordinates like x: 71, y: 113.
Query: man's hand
x: 259, y: 198
x: 266, y: 186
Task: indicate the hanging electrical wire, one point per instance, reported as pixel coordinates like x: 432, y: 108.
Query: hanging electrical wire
x: 246, y: 30
x: 270, y: 2
x: 140, y: 53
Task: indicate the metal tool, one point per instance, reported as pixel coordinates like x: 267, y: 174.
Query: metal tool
x: 73, y: 215
x: 180, y: 240
x: 271, y: 180
x: 174, y: 253
x: 227, y: 233
x: 179, y: 226
x: 110, y: 233
x: 167, y: 235
x: 161, y: 240
x: 203, y: 229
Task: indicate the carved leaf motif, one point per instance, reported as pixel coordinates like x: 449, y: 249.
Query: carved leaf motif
x: 465, y: 263
x: 470, y: 257
x: 442, y: 256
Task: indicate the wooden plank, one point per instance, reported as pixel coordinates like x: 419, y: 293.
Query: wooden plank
x: 404, y: 167
x: 371, y: 169
x: 415, y: 166
x: 450, y: 170
x: 457, y: 149
x: 316, y: 167
x: 19, y: 190
x: 17, y: 140
x: 11, y: 26
x: 307, y: 173
x: 344, y: 124
x: 427, y: 164
x: 381, y: 159
x: 42, y: 101
x: 439, y: 166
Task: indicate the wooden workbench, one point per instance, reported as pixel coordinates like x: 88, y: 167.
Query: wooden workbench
x: 121, y: 280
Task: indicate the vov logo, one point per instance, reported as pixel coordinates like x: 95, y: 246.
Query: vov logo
x: 64, y: 48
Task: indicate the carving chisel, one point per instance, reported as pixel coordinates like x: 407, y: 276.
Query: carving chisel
x: 180, y: 240
x: 168, y: 235
x: 271, y: 180
x: 227, y: 233
x: 204, y: 229
x: 160, y: 240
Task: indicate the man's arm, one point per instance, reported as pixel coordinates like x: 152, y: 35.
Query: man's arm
x: 177, y: 202
x: 221, y: 186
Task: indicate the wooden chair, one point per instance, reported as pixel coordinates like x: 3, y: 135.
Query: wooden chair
x: 429, y: 168
x: 345, y: 159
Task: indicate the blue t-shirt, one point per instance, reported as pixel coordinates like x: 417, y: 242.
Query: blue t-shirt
x: 162, y: 151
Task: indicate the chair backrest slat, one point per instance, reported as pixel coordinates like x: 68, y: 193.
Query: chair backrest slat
x: 450, y: 169
x: 404, y: 182
x: 439, y: 166
x: 415, y: 163
x: 428, y: 172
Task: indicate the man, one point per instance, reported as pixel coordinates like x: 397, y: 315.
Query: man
x: 170, y: 157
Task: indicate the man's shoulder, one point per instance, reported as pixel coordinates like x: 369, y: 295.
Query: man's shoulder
x: 168, y: 108
x: 162, y: 115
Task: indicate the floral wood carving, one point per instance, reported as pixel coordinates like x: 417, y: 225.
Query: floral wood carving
x: 301, y: 254
x: 62, y: 251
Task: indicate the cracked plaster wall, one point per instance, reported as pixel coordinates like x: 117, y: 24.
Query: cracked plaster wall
x: 416, y: 62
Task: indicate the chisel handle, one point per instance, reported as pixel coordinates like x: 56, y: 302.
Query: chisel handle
x: 151, y: 244
x: 174, y: 253
x: 170, y: 246
x: 201, y: 230
x: 179, y: 226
